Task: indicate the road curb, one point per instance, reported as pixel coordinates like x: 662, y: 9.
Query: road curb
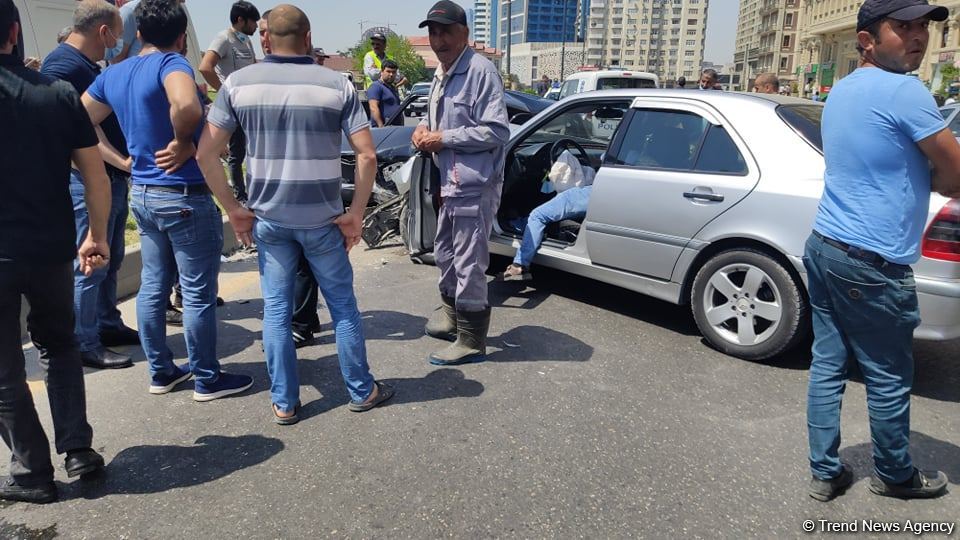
x: 128, y: 279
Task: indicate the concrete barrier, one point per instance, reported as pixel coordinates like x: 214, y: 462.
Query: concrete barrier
x: 128, y: 279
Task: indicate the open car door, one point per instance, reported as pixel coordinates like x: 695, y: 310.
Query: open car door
x: 419, y: 217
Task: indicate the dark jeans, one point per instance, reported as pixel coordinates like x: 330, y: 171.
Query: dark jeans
x: 238, y: 151
x: 863, y: 312
x: 305, y: 297
x: 49, y: 291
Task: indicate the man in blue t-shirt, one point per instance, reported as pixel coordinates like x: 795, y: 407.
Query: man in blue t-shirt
x: 881, y: 131
x: 96, y: 25
x: 383, y: 97
x: 155, y: 99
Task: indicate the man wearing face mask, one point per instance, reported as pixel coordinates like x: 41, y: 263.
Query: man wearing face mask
x: 96, y: 28
x: 231, y: 50
x: 131, y: 44
x: 881, y: 134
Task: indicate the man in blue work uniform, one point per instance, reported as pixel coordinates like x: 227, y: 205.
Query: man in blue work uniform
x: 881, y: 133
x: 467, y: 130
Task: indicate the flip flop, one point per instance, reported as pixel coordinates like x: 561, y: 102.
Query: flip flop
x: 385, y: 392
x: 286, y: 420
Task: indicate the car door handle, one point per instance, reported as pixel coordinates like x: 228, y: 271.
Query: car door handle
x: 714, y: 197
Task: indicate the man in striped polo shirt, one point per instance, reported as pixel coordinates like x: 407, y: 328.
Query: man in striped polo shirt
x: 294, y: 113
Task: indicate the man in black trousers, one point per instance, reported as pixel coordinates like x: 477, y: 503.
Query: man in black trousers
x: 45, y: 127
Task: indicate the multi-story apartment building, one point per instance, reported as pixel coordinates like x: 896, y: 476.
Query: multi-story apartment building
x: 766, y: 40
x: 827, y: 47
x: 664, y: 37
x: 485, y: 21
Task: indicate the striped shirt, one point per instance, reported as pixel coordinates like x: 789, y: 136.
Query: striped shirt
x: 294, y: 114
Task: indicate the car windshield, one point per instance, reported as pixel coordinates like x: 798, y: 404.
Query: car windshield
x: 624, y: 82
x: 805, y: 120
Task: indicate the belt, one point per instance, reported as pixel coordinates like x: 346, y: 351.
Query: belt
x: 856, y: 253
x: 184, y: 189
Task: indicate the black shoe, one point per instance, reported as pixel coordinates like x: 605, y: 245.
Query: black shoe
x: 83, y: 461
x: 105, y: 359
x: 174, y: 316
x: 302, y: 338
x: 42, y: 494
x: 825, y: 490
x: 118, y: 337
x: 922, y: 485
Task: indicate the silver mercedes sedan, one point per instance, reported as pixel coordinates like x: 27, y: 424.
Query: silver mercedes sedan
x: 702, y: 198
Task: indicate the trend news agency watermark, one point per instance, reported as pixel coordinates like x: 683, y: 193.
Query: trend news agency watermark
x: 873, y: 526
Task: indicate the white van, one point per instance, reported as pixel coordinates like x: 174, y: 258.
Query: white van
x: 586, y: 81
x: 42, y: 20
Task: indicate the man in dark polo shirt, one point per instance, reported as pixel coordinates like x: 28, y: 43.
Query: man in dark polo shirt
x: 96, y: 27
x: 44, y: 128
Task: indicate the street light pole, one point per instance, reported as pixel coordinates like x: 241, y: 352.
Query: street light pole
x: 509, y: 37
x: 563, y: 41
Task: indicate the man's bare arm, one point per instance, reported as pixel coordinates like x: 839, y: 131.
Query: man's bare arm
x: 943, y: 151
x: 208, y: 69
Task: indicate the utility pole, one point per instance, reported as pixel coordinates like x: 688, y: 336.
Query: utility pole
x: 509, y: 38
x: 563, y: 41
x: 363, y: 22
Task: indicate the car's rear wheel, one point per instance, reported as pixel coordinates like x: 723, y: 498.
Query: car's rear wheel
x: 747, y: 304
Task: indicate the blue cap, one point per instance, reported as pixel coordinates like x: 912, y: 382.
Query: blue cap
x: 873, y: 11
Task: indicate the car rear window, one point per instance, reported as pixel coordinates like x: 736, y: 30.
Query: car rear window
x: 624, y: 82
x: 805, y: 120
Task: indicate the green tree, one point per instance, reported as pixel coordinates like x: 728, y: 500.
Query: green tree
x: 948, y: 74
x: 411, y: 65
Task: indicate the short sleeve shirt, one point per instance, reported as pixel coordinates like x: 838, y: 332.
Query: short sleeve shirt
x: 877, y: 180
x: 234, y: 54
x: 389, y: 101
x: 69, y: 64
x: 294, y: 114
x: 134, y: 90
x: 43, y: 123
x: 129, y: 17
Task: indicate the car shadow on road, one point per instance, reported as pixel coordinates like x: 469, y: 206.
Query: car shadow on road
x: 537, y: 344
x: 927, y: 453
x: 159, y: 468
x: 548, y: 281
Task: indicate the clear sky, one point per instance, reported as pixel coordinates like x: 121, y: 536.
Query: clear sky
x: 337, y: 23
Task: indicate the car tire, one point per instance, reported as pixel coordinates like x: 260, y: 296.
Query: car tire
x: 747, y: 304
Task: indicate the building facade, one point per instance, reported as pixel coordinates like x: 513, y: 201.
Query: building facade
x: 537, y: 21
x: 484, y: 21
x: 767, y: 36
x: 827, y: 46
x: 664, y: 37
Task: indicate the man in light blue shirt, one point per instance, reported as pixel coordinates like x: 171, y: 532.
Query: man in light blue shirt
x: 881, y: 131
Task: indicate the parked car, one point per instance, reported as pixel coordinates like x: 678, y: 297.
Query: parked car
x: 606, y: 79
x: 951, y: 115
x: 418, y: 107
x: 700, y: 199
x: 394, y: 147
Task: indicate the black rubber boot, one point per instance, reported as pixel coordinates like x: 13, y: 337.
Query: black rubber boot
x: 471, y: 344
x: 443, y: 321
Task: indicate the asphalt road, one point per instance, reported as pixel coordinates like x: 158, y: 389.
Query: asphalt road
x: 600, y: 414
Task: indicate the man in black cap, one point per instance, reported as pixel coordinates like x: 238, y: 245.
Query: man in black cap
x: 881, y: 132
x: 466, y: 130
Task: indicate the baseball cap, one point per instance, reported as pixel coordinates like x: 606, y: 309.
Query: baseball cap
x: 378, y: 36
x: 902, y: 10
x: 318, y: 51
x: 445, y: 12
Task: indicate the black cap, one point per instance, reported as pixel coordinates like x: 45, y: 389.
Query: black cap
x: 378, y: 36
x: 445, y: 12
x: 902, y: 10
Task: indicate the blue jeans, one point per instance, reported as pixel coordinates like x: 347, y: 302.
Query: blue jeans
x: 182, y: 232
x: 279, y: 250
x: 865, y: 312
x: 95, y: 296
x: 569, y: 204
